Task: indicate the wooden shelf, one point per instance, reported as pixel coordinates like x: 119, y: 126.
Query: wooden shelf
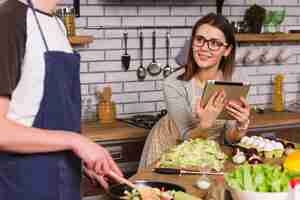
x: 81, y: 39
x: 267, y: 37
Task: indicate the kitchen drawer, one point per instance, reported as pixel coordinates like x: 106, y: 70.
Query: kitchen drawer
x: 126, y: 151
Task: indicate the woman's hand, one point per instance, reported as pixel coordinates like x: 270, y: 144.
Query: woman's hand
x: 240, y: 112
x: 209, y: 113
x: 95, y: 158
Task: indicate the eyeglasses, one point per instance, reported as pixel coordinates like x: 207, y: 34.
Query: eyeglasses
x: 213, y: 44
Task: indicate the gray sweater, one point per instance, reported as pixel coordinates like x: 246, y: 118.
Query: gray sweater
x: 180, y: 98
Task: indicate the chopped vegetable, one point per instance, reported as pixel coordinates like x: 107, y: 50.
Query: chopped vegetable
x: 258, y: 178
x: 149, y: 193
x: 195, y: 154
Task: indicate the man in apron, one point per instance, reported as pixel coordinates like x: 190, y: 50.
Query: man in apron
x: 40, y: 108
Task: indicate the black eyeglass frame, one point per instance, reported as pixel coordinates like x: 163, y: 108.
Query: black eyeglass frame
x: 209, y: 44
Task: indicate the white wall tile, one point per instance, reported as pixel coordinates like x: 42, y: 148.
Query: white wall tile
x: 83, y: 67
x: 91, y: 55
x: 288, y: 2
x: 169, y: 21
x: 151, y: 96
x: 125, y: 97
x: 139, y: 86
x: 104, y: 21
x: 91, y: 77
x: 139, y: 107
x: 91, y: 11
x: 154, y: 11
x: 140, y: 21
x: 84, y: 89
x: 120, y: 76
x: 265, y: 89
x: 105, y: 66
x: 240, y: 11
x: 186, y: 11
x: 120, y: 11
x: 106, y: 44
x: 234, y: 2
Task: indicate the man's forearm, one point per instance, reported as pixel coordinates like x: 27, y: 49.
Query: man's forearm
x: 20, y: 139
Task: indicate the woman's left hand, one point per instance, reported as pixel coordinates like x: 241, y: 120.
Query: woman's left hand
x: 239, y: 110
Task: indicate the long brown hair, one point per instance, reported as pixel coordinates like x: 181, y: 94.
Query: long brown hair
x: 226, y: 64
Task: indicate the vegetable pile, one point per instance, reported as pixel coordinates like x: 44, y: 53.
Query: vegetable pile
x: 195, y: 154
x: 258, y: 178
x: 149, y: 193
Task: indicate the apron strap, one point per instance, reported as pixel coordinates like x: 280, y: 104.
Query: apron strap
x: 38, y: 23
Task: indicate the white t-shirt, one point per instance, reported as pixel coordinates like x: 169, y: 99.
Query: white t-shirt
x: 27, y: 94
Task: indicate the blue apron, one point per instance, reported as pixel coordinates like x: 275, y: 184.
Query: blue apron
x: 49, y: 176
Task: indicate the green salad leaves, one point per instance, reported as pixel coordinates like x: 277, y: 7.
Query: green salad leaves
x: 258, y: 178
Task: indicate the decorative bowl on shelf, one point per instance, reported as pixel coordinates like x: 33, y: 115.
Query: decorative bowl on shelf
x: 273, y: 20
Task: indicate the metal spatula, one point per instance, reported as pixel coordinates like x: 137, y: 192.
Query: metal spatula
x: 125, y: 59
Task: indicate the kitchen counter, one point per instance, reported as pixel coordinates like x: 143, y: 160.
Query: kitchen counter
x: 125, y: 144
x: 271, y: 119
x: 122, y: 131
x: 112, y: 132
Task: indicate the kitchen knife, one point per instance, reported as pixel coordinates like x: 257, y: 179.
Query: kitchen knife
x: 184, y: 172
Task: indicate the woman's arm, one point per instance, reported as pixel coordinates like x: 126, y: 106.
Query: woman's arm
x: 192, y: 122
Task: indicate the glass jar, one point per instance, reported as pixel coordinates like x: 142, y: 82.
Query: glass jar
x: 69, y: 21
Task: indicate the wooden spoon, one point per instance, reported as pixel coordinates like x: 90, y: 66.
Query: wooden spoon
x: 113, y: 175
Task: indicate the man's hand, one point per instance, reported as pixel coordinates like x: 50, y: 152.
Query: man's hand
x: 95, y: 158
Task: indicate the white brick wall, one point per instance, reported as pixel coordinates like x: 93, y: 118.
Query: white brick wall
x: 101, y: 64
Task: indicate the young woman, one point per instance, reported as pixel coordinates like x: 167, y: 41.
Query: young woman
x: 40, y: 148
x: 210, y: 57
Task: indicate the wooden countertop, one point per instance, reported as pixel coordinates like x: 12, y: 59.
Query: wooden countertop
x: 114, y: 131
x: 122, y: 131
x: 270, y: 118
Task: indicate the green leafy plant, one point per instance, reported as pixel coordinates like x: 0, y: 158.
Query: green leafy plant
x: 254, y: 17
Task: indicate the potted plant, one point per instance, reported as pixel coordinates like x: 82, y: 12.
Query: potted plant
x: 254, y: 17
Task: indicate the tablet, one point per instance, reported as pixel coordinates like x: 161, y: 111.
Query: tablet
x: 233, y: 90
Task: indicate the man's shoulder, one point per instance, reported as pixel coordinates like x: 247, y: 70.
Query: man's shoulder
x: 12, y: 11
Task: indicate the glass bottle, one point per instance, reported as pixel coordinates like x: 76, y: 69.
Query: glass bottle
x: 278, y: 93
x: 69, y: 21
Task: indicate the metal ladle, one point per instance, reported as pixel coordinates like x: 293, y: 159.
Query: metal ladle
x: 153, y: 68
x: 141, y: 71
x: 167, y: 69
